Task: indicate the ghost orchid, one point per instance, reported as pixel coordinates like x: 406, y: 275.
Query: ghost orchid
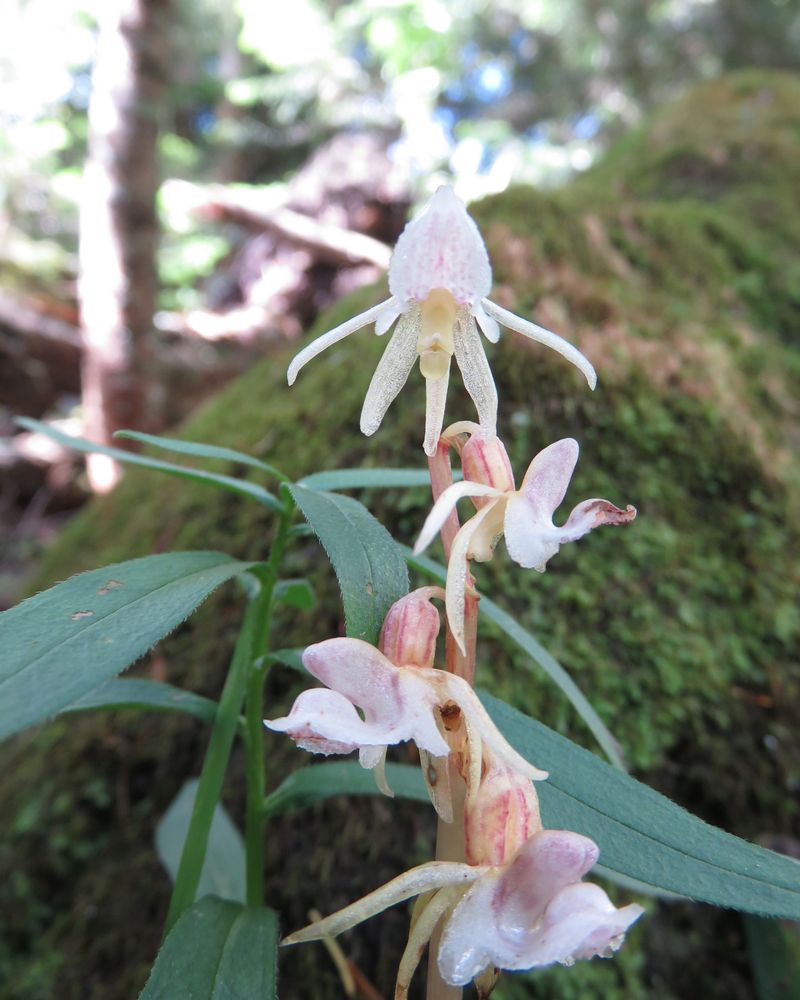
x: 524, y: 516
x: 435, y: 709
x: 531, y: 912
x: 439, y: 277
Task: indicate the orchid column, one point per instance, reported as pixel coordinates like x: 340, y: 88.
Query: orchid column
x: 504, y: 893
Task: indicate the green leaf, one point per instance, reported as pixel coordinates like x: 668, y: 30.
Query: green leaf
x: 304, y: 787
x: 202, y: 451
x: 641, y: 834
x: 368, y: 562
x: 296, y: 594
x: 218, y: 950
x: 223, y: 872
x: 774, y: 949
x: 63, y: 643
x: 141, y: 694
x: 292, y: 658
x: 523, y: 638
x: 354, y: 479
x: 240, y: 486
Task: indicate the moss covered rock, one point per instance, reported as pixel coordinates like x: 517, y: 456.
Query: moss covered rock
x: 673, y: 266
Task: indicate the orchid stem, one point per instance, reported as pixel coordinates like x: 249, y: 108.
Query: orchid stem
x: 450, y: 836
x: 441, y: 477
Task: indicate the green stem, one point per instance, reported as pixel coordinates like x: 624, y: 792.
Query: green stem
x: 214, y: 766
x: 245, y: 682
x: 255, y: 815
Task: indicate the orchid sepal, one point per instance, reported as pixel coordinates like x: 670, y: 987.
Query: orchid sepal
x: 423, y: 878
x: 376, y: 314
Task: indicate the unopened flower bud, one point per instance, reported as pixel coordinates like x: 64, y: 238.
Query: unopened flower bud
x: 484, y: 459
x: 499, y: 815
x: 410, y: 629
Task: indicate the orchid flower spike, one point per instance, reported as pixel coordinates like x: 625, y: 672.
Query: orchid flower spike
x: 524, y: 516
x: 531, y: 912
x: 439, y: 277
x: 399, y: 703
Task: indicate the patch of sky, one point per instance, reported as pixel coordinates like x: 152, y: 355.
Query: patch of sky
x: 470, y: 52
x: 456, y: 91
x: 585, y: 126
x: 80, y: 90
x: 446, y: 118
x: 362, y: 53
x: 205, y: 120
x: 492, y: 81
x: 536, y: 133
x: 518, y: 38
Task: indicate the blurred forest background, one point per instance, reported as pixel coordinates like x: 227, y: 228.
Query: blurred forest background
x: 184, y: 183
x: 189, y: 187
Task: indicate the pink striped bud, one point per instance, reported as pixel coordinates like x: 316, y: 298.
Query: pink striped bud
x: 499, y: 815
x: 410, y: 629
x: 484, y: 459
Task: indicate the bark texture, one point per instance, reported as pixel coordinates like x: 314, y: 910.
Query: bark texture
x: 118, y: 228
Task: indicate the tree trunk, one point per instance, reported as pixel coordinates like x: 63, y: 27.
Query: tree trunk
x: 118, y: 228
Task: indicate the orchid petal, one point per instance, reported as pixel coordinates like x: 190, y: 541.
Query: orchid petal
x: 358, y: 671
x: 469, y: 939
x: 334, y: 336
x: 419, y: 720
x: 423, y: 878
x: 487, y: 323
x: 446, y: 503
x: 542, y: 336
x: 476, y: 373
x: 392, y: 372
x: 591, y: 514
x: 580, y: 922
x: 392, y: 308
x: 546, y: 481
x: 420, y: 933
x: 458, y: 572
x: 398, y: 703
x: 530, y: 542
x: 505, y: 918
x: 321, y: 721
x: 436, y: 773
x: 440, y: 248
x: 435, y: 400
x: 374, y: 759
x: 469, y: 703
x: 531, y: 537
x: 545, y: 864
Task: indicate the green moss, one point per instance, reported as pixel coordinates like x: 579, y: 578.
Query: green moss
x: 673, y: 265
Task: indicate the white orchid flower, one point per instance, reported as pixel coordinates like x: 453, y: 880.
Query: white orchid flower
x: 399, y: 703
x: 439, y: 277
x: 532, y: 912
x: 524, y: 516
